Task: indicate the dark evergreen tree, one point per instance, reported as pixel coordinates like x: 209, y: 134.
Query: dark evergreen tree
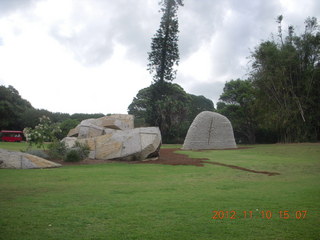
x: 163, y: 58
x: 175, y: 111
x: 164, y: 53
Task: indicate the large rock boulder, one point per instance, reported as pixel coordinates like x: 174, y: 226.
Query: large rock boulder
x: 95, y: 127
x: 210, y: 130
x: 114, y: 137
x: 131, y: 144
x: 19, y: 160
x: 69, y: 141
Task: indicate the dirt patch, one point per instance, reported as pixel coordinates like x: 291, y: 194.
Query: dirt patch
x: 169, y: 157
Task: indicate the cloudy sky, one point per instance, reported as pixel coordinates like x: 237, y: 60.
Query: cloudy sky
x: 90, y: 56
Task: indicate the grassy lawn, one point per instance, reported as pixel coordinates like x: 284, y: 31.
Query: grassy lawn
x: 142, y: 201
x: 16, y: 146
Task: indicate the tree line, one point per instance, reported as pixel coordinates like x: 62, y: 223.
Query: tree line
x: 277, y: 103
x: 17, y: 113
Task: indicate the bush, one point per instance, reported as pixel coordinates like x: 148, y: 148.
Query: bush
x: 73, y: 155
x: 57, y: 150
x: 77, y: 153
x: 45, y: 131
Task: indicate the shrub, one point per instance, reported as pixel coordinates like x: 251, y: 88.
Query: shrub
x: 77, y: 153
x: 45, y: 131
x: 57, y: 150
x: 72, y: 155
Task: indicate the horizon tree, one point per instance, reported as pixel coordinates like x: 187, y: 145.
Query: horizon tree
x: 286, y: 73
x: 164, y: 54
x: 163, y: 58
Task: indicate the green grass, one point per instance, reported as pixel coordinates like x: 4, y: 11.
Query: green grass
x: 142, y: 201
x: 16, y: 146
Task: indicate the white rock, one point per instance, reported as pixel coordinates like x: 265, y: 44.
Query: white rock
x: 131, y: 144
x: 89, y: 130
x: 19, y: 160
x: 210, y: 130
x: 69, y: 141
x: 94, y: 127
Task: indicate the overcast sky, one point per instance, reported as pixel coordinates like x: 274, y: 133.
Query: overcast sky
x: 90, y: 56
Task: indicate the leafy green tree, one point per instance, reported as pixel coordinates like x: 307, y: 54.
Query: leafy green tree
x: 238, y: 105
x: 175, y: 111
x: 65, y: 127
x: 197, y: 105
x: 286, y: 74
x: 12, y: 107
x: 167, y: 112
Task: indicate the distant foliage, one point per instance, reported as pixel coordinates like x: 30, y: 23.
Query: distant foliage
x: 12, y: 108
x: 17, y: 113
x: 65, y: 127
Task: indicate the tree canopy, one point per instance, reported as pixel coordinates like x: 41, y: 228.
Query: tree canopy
x: 173, y: 113
x: 286, y: 74
x: 280, y: 100
x: 164, y: 54
x: 238, y: 105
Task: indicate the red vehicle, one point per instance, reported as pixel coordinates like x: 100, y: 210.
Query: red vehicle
x: 11, y: 136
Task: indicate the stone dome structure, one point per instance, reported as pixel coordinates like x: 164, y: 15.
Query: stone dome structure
x: 209, y: 130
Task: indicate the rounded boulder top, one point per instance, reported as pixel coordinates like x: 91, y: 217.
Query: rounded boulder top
x: 209, y: 130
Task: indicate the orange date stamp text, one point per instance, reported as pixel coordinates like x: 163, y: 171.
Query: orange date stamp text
x: 262, y: 214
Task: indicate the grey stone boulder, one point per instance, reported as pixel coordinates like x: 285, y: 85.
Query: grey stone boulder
x: 209, y: 130
x: 87, y: 130
x: 131, y: 144
x: 69, y: 141
x: 19, y: 160
x: 95, y: 127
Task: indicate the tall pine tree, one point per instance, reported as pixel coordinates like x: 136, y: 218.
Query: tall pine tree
x: 164, y: 55
x: 163, y: 58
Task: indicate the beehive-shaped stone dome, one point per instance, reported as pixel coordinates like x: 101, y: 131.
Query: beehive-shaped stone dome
x: 209, y: 130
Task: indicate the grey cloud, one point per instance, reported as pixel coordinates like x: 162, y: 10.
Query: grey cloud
x: 7, y: 6
x: 133, y: 23
x: 91, y: 46
x: 198, y: 22
x: 233, y: 38
x: 211, y: 90
x: 125, y: 22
